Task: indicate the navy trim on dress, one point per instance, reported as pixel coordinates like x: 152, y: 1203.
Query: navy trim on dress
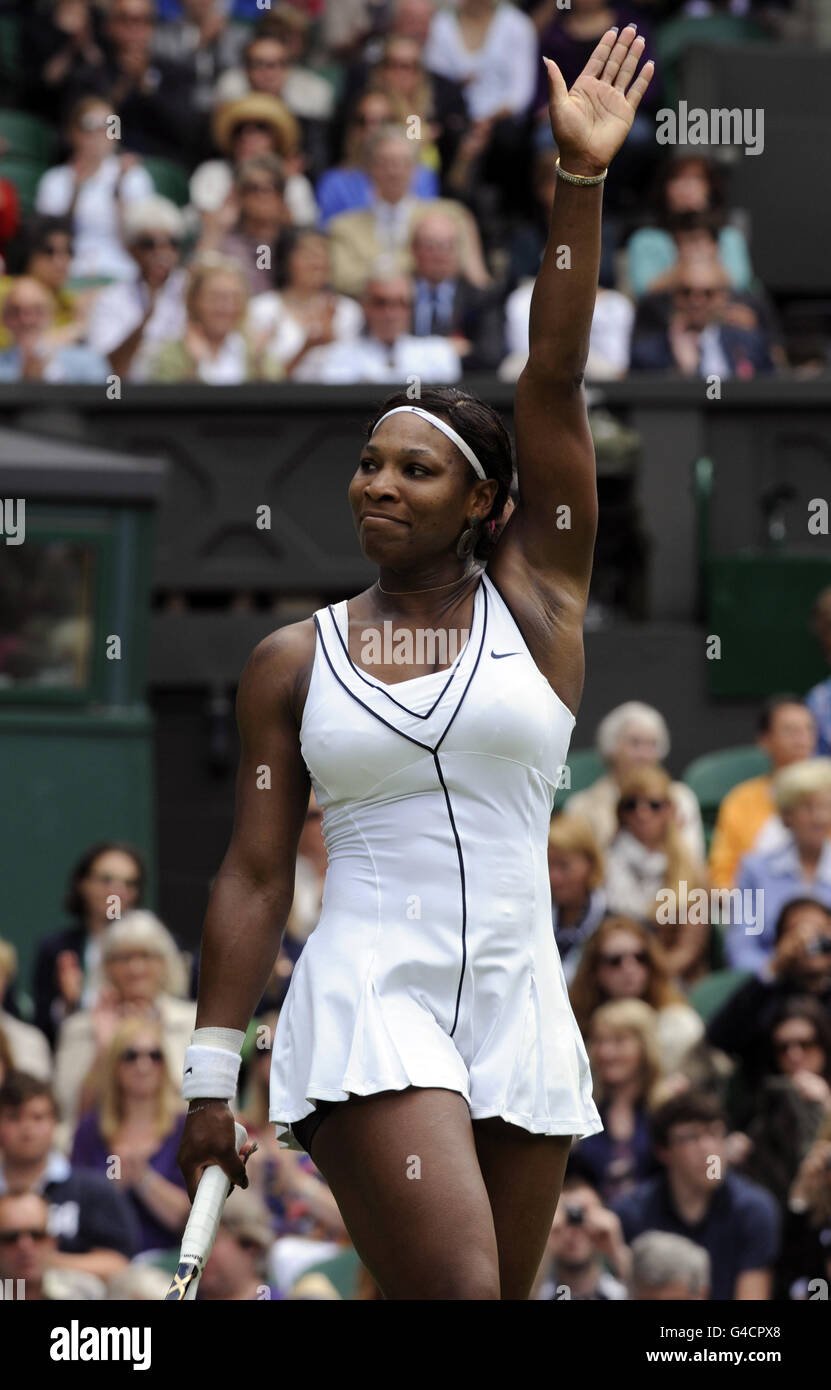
x: 428, y: 749
x: 452, y: 669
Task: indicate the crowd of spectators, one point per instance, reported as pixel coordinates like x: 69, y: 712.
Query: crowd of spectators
x: 363, y: 195
x: 353, y: 192
x: 708, y: 1033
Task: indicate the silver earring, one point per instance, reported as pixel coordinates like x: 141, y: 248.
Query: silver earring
x: 469, y: 539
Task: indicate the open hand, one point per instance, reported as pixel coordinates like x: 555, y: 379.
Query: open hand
x: 591, y: 122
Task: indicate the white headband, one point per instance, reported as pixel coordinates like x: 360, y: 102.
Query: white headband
x: 445, y: 429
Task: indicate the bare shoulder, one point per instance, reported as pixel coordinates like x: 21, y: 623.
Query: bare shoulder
x: 277, y: 673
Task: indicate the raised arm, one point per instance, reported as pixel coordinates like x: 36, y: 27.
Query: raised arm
x: 553, y: 529
x: 253, y: 890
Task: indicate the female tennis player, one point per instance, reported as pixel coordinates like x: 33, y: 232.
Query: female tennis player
x: 426, y: 1055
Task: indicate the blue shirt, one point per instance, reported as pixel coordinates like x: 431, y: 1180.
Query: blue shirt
x: 740, y: 1229
x: 818, y: 701
x: 350, y: 190
x: 773, y: 879
x: 73, y: 363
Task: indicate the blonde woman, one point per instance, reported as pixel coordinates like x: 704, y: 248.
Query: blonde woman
x: 626, y: 1067
x: 799, y: 867
x: 138, y: 1121
x: 215, y: 348
x: 578, y: 900
x: 646, y: 858
x: 144, y: 976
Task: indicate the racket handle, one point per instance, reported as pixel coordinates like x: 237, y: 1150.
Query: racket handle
x: 205, y: 1214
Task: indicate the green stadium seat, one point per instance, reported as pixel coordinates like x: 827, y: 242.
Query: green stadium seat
x: 25, y: 174
x: 584, y: 766
x: 27, y: 137
x: 714, y: 775
x: 711, y: 993
x: 342, y: 1270
x: 170, y: 179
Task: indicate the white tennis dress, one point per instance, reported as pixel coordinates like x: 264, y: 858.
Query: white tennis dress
x: 434, y: 961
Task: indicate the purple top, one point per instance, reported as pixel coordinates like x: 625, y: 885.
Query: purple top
x: 91, y: 1151
x: 571, y: 55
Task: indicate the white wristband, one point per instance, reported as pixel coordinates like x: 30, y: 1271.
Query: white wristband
x: 212, y: 1071
x: 231, y: 1039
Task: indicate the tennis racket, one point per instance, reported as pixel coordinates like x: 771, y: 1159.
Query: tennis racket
x: 200, y: 1232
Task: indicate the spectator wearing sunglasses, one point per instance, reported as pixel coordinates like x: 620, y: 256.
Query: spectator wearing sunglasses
x: 28, y: 1252
x: 646, y: 858
x: 800, y: 965
x: 110, y: 874
x: 629, y: 736
x: 271, y: 65
x: 93, y: 1222
x: 144, y: 976
x: 785, y: 1114
x: 44, y: 253
x: 129, y: 319
x: 623, y: 960
x: 138, y: 1119
x: 92, y: 189
x: 256, y: 220
x: 254, y: 127
x: 709, y: 333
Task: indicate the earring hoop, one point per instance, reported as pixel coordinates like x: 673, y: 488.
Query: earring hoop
x: 469, y: 539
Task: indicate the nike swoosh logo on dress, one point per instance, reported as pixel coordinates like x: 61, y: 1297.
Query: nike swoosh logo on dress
x: 500, y: 656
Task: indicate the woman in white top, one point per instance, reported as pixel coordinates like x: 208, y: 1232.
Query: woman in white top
x: 305, y: 312
x: 427, y: 1033
x: 492, y: 49
x: 93, y: 188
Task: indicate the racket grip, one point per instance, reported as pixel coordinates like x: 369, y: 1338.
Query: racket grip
x: 203, y: 1222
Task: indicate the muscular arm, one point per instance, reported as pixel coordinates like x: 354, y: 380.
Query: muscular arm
x: 253, y: 890
x: 543, y: 560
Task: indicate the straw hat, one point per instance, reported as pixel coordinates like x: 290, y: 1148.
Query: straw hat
x: 257, y: 106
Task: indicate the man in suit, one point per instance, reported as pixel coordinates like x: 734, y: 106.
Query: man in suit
x: 384, y: 231
x: 387, y: 351
x: 707, y: 331
x: 447, y: 303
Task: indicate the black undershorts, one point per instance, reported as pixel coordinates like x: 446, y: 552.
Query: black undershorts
x: 304, y: 1130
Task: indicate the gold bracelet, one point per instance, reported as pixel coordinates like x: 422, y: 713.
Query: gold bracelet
x: 588, y: 180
